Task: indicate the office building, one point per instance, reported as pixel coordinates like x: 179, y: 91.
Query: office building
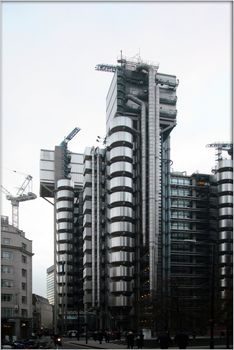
x: 16, y: 282
x: 62, y: 182
x: 131, y: 237
x: 223, y: 171
x: 50, y: 284
x: 193, y: 226
x: 42, y: 315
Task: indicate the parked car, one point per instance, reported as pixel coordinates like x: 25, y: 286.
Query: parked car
x: 32, y: 344
x: 72, y: 333
x: 18, y: 344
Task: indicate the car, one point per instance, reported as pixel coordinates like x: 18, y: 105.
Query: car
x: 72, y: 333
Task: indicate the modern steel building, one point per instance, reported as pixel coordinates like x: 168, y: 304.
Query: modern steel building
x: 141, y: 112
x: 62, y: 181
x: 131, y: 238
x: 16, y: 282
x: 224, y: 175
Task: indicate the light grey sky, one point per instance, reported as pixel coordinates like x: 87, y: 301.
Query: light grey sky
x: 50, y: 86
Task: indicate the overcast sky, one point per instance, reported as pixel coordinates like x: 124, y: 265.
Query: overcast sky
x: 50, y: 86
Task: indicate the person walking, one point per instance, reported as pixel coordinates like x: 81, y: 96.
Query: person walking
x: 130, y: 340
x: 140, y: 340
x: 100, y: 336
x: 164, y: 340
x: 181, y: 339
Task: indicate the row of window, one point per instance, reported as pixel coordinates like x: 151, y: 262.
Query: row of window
x: 5, y: 283
x: 7, y: 241
x: 181, y: 192
x: 182, y: 203
x: 180, y: 214
x: 188, y: 259
x: 180, y: 225
x: 9, y: 312
x: 9, y: 298
x: 9, y: 256
x: 9, y: 269
x: 180, y: 181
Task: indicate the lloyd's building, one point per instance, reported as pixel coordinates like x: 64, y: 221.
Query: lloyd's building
x: 111, y: 217
x: 112, y: 207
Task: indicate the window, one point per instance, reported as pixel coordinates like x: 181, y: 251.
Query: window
x: 24, y: 246
x: 180, y: 192
x: 6, y: 255
x: 6, y: 241
x: 24, y: 259
x: 180, y: 226
x: 24, y: 273
x: 180, y: 214
x: 6, y: 269
x: 24, y: 299
x: 7, y: 283
x: 7, y: 312
x: 24, y: 312
x: 6, y: 297
x: 23, y: 285
x: 180, y: 181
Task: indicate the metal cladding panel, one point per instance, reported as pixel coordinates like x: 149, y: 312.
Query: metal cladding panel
x: 225, y: 187
x: 119, y: 136
x: 225, y: 223
x: 119, y: 301
x: 121, y: 197
x: 120, y: 242
x: 224, y: 199
x: 225, y: 211
x: 120, y: 151
x: 121, y: 167
x: 226, y: 235
x: 120, y: 226
x: 121, y: 271
x: 120, y: 212
x: 121, y: 257
x: 64, y: 205
x: 121, y: 121
x: 225, y: 175
x: 225, y: 163
x: 121, y: 286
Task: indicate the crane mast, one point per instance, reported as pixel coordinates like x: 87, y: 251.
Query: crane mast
x: 20, y: 196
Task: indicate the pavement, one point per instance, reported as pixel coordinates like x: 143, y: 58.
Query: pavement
x: 114, y: 345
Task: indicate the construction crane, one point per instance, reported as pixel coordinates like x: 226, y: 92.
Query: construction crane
x: 106, y: 67
x: 222, y: 146
x: 67, y: 154
x: 70, y: 136
x: 20, y: 196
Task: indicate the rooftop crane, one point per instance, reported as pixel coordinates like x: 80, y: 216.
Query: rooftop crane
x: 20, y: 196
x: 222, y: 146
x: 67, y: 154
x: 70, y: 136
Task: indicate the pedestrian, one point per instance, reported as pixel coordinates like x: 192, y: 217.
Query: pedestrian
x: 130, y: 340
x: 107, y: 336
x: 181, y: 339
x: 164, y: 340
x: 100, y: 336
x: 95, y: 335
x: 140, y: 340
